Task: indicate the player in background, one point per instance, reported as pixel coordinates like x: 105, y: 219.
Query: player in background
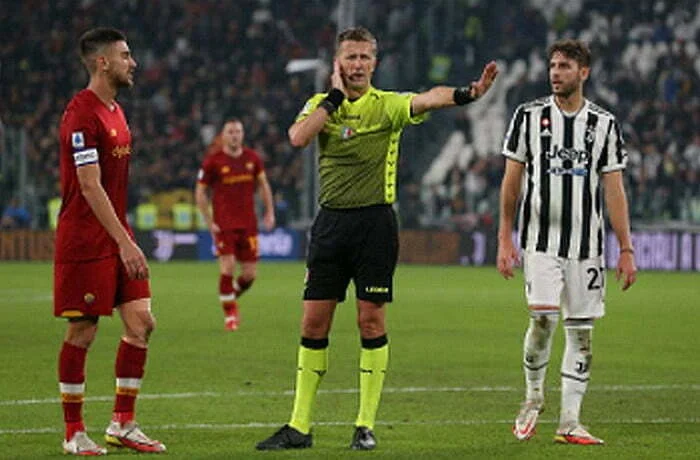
x: 569, y: 152
x: 232, y: 172
x: 355, y: 234
x: 98, y: 265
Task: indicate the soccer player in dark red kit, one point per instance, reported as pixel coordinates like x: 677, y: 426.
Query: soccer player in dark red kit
x: 98, y: 265
x: 233, y: 173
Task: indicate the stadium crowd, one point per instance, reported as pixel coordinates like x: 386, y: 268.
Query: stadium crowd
x: 202, y: 61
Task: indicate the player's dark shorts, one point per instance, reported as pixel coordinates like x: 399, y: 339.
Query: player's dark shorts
x: 94, y: 287
x: 361, y: 244
x: 243, y: 244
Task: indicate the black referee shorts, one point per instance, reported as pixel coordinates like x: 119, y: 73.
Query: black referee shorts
x: 361, y: 244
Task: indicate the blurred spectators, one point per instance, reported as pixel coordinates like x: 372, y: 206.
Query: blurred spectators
x: 646, y: 70
x: 15, y: 216
x: 203, y: 61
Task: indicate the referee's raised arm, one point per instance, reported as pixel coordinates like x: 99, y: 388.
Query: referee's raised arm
x: 302, y: 132
x: 445, y: 96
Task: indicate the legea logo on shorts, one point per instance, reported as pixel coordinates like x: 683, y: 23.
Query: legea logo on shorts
x: 376, y: 290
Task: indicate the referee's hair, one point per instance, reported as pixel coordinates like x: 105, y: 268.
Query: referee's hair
x: 356, y: 34
x: 94, y: 39
x: 573, y: 49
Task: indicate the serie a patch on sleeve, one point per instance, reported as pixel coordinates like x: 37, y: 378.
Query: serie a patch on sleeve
x: 81, y: 155
x: 77, y: 140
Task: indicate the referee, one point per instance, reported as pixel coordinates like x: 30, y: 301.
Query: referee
x: 355, y: 235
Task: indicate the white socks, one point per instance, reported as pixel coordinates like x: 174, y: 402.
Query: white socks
x: 575, y: 370
x: 536, y: 350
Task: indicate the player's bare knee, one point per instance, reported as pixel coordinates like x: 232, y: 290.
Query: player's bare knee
x: 249, y: 273
x: 147, y: 326
x: 139, y: 329
x: 81, y: 332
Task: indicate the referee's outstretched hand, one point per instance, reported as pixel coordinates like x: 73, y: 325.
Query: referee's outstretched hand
x: 488, y: 75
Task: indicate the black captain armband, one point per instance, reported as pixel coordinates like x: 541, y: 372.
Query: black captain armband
x: 463, y: 95
x: 331, y: 102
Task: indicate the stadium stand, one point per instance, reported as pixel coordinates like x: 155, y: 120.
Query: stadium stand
x: 203, y: 61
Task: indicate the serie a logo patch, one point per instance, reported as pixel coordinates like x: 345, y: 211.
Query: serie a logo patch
x: 77, y: 140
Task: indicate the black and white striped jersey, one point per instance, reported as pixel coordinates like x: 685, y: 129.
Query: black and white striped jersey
x: 564, y: 156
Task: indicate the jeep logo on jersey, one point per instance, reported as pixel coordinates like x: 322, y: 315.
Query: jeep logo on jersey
x: 567, y: 153
x: 346, y: 132
x: 574, y: 162
x: 77, y: 140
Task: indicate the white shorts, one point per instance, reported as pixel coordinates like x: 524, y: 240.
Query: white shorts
x: 577, y: 286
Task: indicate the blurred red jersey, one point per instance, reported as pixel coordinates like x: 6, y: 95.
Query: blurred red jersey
x: 91, y: 133
x: 233, y: 181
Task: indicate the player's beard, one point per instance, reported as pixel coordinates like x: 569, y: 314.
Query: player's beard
x: 566, y: 90
x: 125, y: 81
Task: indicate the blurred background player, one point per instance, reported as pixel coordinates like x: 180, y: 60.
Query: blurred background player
x: 98, y: 266
x: 233, y: 172
x: 355, y: 233
x: 567, y: 149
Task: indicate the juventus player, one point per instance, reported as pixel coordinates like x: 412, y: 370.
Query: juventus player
x: 569, y: 151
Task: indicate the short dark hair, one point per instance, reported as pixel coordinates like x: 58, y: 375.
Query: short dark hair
x: 92, y: 40
x: 356, y: 34
x: 231, y: 120
x: 573, y: 49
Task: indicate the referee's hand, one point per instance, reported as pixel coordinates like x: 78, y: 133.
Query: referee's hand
x: 337, y: 77
x: 488, y: 75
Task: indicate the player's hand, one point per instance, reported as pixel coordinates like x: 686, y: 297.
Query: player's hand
x: 337, y: 77
x: 507, y: 257
x: 626, y: 269
x: 215, y: 228
x: 269, y: 221
x: 488, y: 75
x: 134, y: 260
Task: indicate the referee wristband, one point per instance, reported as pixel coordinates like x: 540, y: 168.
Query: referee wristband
x: 463, y: 95
x: 630, y: 250
x: 332, y: 101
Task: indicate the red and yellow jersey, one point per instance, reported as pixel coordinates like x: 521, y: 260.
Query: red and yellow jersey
x: 91, y: 133
x: 233, y: 181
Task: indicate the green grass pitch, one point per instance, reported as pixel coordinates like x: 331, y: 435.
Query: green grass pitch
x: 453, y: 387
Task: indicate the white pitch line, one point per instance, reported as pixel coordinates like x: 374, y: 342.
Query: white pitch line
x: 240, y: 426
x: 479, y: 389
